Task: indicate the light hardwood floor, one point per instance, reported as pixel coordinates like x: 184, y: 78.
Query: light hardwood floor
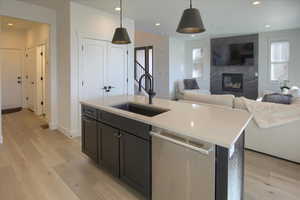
x: 37, y: 164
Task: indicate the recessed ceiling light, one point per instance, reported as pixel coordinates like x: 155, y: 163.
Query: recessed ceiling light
x: 256, y: 3
x: 117, y: 9
x: 10, y: 24
x: 268, y: 26
x: 193, y: 35
x: 157, y: 24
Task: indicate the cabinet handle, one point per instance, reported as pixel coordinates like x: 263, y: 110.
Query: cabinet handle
x: 183, y: 144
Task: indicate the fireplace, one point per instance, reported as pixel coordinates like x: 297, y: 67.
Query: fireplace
x: 232, y: 82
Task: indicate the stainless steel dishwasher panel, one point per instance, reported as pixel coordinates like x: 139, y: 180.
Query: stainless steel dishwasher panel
x: 182, y: 170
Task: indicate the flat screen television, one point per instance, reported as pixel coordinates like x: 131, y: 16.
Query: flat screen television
x: 241, y: 54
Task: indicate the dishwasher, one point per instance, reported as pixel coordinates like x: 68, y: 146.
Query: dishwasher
x: 182, y: 169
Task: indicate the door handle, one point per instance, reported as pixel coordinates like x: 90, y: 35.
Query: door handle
x: 183, y: 144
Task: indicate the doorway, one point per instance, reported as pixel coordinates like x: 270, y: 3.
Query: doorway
x: 23, y: 50
x: 143, y: 64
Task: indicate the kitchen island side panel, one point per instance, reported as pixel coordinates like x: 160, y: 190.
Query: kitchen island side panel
x: 230, y: 172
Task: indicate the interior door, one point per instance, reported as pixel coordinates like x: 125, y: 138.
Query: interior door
x: 11, y: 77
x: 40, y: 79
x: 30, y: 78
x: 94, y: 59
x: 116, y: 70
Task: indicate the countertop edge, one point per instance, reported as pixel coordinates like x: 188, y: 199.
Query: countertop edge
x: 185, y: 135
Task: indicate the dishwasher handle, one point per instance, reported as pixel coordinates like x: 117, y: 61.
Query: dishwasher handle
x: 183, y: 144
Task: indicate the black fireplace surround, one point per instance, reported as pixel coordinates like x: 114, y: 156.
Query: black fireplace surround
x: 233, y: 79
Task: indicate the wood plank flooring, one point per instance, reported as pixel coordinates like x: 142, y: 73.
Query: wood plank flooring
x: 39, y: 164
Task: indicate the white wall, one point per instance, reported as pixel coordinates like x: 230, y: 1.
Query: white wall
x: 27, y: 11
x: 37, y: 35
x: 64, y: 71
x: 161, y: 60
x: 204, y: 82
x: 87, y: 22
x: 293, y: 36
x: 12, y: 40
x: 177, y: 64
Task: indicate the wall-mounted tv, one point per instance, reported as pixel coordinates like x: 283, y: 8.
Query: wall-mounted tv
x: 240, y: 54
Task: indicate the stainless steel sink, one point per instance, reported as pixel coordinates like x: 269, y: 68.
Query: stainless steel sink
x: 149, y: 111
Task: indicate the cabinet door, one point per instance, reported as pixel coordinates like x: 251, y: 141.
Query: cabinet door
x: 90, y: 138
x: 135, y: 162
x: 108, y: 151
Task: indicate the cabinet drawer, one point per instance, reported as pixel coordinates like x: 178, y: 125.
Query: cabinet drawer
x: 131, y: 126
x: 89, y: 111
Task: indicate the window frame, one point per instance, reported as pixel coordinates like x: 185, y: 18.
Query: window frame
x: 277, y: 62
x: 201, y: 62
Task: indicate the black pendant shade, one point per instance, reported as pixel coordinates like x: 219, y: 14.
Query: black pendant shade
x: 121, y: 35
x: 191, y: 21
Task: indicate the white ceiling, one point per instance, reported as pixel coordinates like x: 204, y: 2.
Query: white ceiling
x: 18, y: 24
x: 221, y: 17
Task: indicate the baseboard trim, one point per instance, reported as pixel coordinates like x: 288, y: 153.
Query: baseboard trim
x: 53, y: 126
x: 64, y: 131
x: 75, y: 133
x: 290, y: 161
x: 11, y: 110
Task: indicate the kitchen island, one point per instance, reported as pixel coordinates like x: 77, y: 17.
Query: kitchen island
x: 122, y: 134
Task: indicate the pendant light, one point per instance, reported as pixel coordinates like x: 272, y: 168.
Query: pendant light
x: 191, y: 21
x: 121, y: 35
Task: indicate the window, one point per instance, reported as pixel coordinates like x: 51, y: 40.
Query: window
x: 280, y: 55
x: 198, y: 63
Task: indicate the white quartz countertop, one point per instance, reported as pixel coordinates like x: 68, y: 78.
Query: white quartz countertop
x: 198, y: 122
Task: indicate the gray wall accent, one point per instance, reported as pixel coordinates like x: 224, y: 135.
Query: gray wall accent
x: 250, y: 72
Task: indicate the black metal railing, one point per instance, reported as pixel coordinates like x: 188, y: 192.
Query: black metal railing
x: 139, y: 70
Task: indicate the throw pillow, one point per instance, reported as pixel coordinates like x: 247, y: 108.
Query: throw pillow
x: 190, y: 84
x: 278, y: 98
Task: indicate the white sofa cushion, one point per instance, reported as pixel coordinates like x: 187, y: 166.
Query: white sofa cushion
x: 223, y: 100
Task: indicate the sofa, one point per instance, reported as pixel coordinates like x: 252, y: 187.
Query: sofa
x: 280, y: 141
x: 181, y: 89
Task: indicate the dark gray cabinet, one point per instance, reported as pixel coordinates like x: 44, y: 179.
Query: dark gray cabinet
x: 90, y: 138
x: 108, y: 148
x: 135, y: 162
x: 120, y: 145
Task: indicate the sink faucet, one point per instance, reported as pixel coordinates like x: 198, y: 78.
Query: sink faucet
x: 151, y: 93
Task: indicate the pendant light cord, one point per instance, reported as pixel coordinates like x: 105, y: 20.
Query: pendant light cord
x: 191, y: 4
x: 121, y: 14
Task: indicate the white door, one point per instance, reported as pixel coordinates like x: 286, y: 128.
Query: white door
x: 40, y: 79
x: 116, y: 70
x: 92, y: 71
x: 11, y: 77
x: 30, y: 78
